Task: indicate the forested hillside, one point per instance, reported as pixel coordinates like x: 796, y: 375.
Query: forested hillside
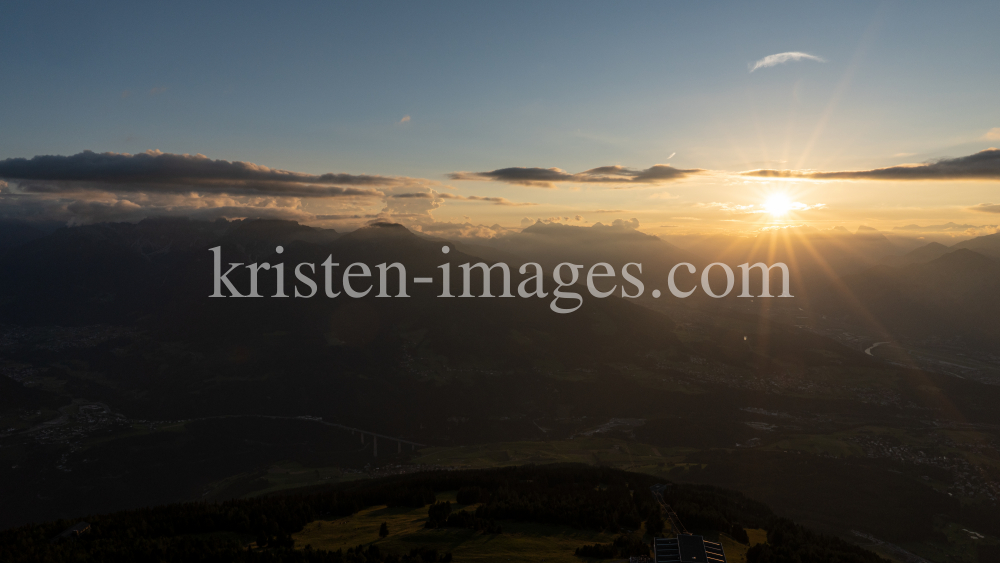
x: 260, y: 529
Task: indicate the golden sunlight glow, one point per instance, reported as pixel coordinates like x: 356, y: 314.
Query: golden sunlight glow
x: 778, y: 205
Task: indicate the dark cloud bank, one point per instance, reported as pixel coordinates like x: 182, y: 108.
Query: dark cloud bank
x: 548, y: 177
x: 157, y: 172
x: 984, y: 165
x: 93, y: 187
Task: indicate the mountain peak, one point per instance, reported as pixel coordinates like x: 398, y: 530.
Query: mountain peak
x: 381, y: 230
x: 963, y: 257
x: 986, y: 244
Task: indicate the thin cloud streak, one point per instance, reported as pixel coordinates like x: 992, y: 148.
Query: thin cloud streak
x: 432, y: 195
x: 782, y: 58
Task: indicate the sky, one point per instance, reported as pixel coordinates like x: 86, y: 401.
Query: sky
x: 448, y: 117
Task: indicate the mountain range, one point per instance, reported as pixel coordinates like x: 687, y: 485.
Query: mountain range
x: 127, y: 385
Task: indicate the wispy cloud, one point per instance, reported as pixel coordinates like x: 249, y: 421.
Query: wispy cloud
x: 782, y: 58
x: 497, y: 201
x: 433, y: 195
x: 993, y: 134
x: 548, y: 177
x: 406, y: 119
x: 984, y: 165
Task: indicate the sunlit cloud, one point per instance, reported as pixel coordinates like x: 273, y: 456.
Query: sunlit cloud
x: 945, y: 228
x: 984, y: 165
x: 774, y: 206
x: 406, y: 119
x: 954, y: 229
x: 993, y: 134
x: 461, y: 230
x: 782, y: 58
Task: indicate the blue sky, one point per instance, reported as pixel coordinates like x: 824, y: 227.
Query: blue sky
x: 323, y: 87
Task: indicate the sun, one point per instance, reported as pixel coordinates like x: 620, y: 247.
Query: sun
x: 778, y: 205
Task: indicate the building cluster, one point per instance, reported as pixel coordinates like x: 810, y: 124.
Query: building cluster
x: 967, y: 479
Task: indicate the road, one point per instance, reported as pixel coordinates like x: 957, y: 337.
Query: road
x: 872, y: 347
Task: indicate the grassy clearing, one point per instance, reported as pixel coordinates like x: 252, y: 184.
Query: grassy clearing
x: 735, y: 551
x: 519, y: 542
x: 757, y: 536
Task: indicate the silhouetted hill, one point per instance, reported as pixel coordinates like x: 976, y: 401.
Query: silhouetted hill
x: 156, y: 276
x: 17, y: 233
x: 987, y: 244
x: 920, y: 255
x: 616, y: 244
x: 957, y: 294
x: 584, y: 497
x: 206, y: 396
x: 822, y: 255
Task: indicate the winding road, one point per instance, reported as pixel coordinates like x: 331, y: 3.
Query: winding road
x: 873, y: 346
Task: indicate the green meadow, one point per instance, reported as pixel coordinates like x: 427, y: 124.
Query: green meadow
x: 518, y: 542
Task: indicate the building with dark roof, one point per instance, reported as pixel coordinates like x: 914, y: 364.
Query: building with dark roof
x: 687, y: 548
